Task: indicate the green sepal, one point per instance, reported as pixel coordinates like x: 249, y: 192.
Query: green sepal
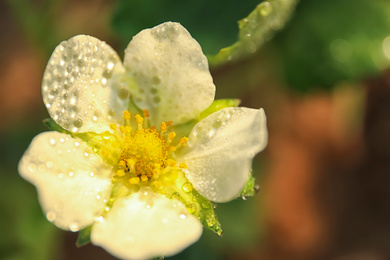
x: 182, y: 190
x: 52, y: 125
x: 84, y: 237
x: 250, y: 188
x: 98, y: 142
x: 185, y: 129
x: 218, y: 105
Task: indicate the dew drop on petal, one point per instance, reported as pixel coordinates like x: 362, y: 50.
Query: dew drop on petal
x: 51, y: 216
x: 74, y: 227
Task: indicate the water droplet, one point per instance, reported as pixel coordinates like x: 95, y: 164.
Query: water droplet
x: 71, y: 174
x: 78, y: 123
x: 191, y: 208
x: 110, y: 65
x: 91, y: 174
x: 74, y: 227
x: 107, y: 74
x: 77, y: 144
x: 98, y: 197
x: 32, y: 167
x: 156, y: 99
x: 265, y: 8
x: 175, y: 195
x: 49, y: 164
x: 165, y: 220
x: 123, y: 94
x: 182, y: 216
x: 51, y: 216
x: 60, y: 176
x: 156, y: 80
x: 217, y: 124
x: 187, y: 187
x: 52, y: 142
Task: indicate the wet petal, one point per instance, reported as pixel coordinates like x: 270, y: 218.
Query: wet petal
x: 82, y: 86
x: 220, y: 151
x: 171, y: 72
x: 73, y: 183
x: 145, y: 225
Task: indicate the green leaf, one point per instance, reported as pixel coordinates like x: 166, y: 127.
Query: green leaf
x: 84, y: 237
x: 257, y: 28
x: 332, y: 41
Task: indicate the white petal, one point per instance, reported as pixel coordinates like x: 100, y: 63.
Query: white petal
x: 73, y: 183
x: 172, y: 73
x: 81, y: 86
x: 146, y: 225
x: 220, y: 150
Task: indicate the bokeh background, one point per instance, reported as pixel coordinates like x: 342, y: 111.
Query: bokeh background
x: 320, y: 70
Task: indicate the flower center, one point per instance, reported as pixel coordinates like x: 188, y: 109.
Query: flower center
x: 147, y: 152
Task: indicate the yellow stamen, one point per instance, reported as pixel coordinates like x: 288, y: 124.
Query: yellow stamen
x: 120, y: 173
x: 130, y: 162
x: 144, y: 178
x: 169, y: 123
x: 122, y: 163
x: 127, y: 115
x: 183, y: 141
x: 171, y: 136
x: 163, y: 127
x: 134, y: 180
x: 171, y: 163
x: 140, y: 121
x: 145, y: 112
x: 171, y: 148
x: 113, y: 127
x: 183, y: 165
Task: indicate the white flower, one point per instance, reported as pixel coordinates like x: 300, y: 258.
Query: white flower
x: 107, y: 166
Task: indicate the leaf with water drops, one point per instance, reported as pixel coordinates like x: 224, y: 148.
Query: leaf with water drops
x: 258, y: 27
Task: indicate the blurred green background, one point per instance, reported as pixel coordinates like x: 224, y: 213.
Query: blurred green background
x: 318, y: 67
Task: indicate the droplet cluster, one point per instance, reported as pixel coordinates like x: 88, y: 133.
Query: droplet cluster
x: 169, y: 71
x: 74, y: 85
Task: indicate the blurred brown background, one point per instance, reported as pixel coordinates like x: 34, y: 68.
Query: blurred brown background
x: 324, y: 176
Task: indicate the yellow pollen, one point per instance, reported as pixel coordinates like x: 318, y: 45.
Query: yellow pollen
x: 183, y: 165
x: 113, y: 127
x: 171, y: 136
x: 130, y: 162
x: 120, y: 173
x: 127, y: 115
x: 145, y: 112
x: 163, y: 127
x: 146, y: 152
x: 171, y: 163
x: 171, y: 148
x: 183, y: 141
x: 134, y: 180
x: 122, y: 163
